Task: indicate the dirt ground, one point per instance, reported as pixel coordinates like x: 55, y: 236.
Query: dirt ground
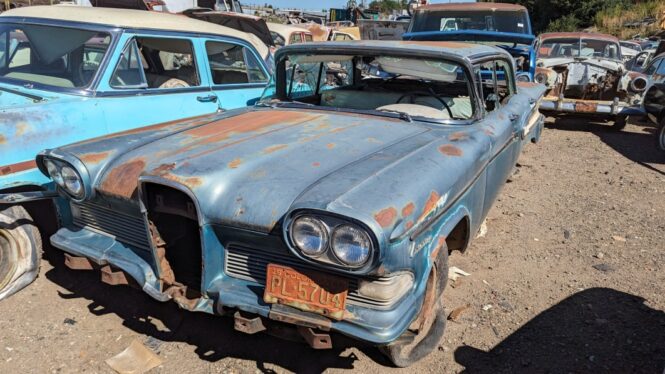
x: 570, y: 277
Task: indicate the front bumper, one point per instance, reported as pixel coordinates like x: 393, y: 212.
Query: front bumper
x: 224, y: 292
x: 563, y: 105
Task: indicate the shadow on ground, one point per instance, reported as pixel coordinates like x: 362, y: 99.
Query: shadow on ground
x: 639, y: 147
x: 598, y: 330
x: 213, y: 336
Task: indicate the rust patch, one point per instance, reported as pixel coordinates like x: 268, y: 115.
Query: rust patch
x: 123, y: 179
x: 274, y: 148
x: 527, y: 84
x: 585, y: 107
x: 439, y: 245
x: 386, y: 217
x: 430, y: 204
x: 316, y: 164
x: 409, y: 225
x: 450, y: 150
x: 408, y: 209
x: 235, y: 163
x: 446, y: 45
x: 3, y: 140
x: 18, y: 167
x: 458, y: 135
x: 330, y: 145
x: 190, y: 182
x: 94, y: 158
x: 488, y: 132
x: 22, y: 128
x: 163, y: 168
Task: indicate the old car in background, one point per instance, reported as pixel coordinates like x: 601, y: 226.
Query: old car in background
x: 584, y: 74
x: 505, y: 25
x: 283, y: 35
x: 629, y: 50
x: 654, y: 98
x: 331, y: 205
x: 237, y: 21
x: 74, y: 73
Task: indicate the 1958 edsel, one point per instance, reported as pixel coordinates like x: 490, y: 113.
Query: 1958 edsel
x: 332, y: 205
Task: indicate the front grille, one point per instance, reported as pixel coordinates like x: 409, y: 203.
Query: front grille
x: 125, y: 228
x: 250, y: 264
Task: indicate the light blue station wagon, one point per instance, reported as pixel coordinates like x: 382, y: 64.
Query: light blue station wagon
x: 69, y: 74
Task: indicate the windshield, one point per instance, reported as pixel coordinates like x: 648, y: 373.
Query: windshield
x: 51, y: 56
x: 571, y: 47
x: 426, y: 89
x: 485, y: 20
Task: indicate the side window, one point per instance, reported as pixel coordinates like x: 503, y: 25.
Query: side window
x: 277, y: 39
x: 168, y: 63
x: 661, y: 68
x: 128, y: 74
x: 309, y: 38
x: 295, y: 38
x: 487, y: 85
x: 651, y: 69
x: 233, y: 64
x: 505, y: 80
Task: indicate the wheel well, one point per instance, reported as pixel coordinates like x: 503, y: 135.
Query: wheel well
x: 43, y: 212
x: 458, y: 239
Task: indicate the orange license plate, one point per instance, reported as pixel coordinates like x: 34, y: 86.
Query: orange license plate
x: 311, y: 292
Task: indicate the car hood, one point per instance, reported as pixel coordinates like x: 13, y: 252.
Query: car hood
x: 471, y: 35
x: 248, y: 166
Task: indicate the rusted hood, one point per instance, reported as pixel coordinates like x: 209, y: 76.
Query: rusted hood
x: 248, y: 168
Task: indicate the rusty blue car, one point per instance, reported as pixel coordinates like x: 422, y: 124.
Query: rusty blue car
x: 73, y: 73
x: 330, y: 206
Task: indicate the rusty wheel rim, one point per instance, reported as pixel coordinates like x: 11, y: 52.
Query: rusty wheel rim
x: 8, y: 257
x: 427, y: 315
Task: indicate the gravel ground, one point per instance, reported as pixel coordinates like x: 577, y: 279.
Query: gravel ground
x: 570, y: 277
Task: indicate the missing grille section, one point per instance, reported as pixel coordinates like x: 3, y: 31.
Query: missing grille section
x: 175, y: 234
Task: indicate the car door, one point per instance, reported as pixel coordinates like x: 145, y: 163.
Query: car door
x: 237, y: 73
x: 155, y: 78
x: 497, y: 87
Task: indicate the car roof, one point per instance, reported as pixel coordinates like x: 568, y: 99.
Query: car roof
x: 473, y: 6
x: 579, y: 35
x: 285, y: 30
x: 434, y: 49
x: 135, y: 19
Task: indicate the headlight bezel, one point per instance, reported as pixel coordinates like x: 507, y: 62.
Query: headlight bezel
x: 328, y: 257
x: 76, y: 166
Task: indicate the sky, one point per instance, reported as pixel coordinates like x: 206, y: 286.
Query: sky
x: 318, y: 4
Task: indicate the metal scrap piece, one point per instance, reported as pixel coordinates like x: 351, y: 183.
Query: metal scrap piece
x: 135, y: 359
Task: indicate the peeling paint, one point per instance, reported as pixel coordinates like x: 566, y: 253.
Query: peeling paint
x: 94, y: 158
x: 330, y: 145
x: 430, y: 205
x: 408, y: 209
x: 450, y: 150
x: 274, y: 148
x: 458, y: 135
x: 235, y: 163
x: 386, y: 217
x: 316, y: 164
x: 123, y: 179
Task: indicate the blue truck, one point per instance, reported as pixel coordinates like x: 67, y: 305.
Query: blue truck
x: 505, y: 25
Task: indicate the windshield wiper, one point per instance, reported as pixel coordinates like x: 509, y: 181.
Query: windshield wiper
x: 16, y: 92
x: 402, y: 115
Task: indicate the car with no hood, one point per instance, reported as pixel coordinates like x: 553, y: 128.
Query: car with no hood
x: 584, y: 74
x: 73, y: 73
x: 331, y: 205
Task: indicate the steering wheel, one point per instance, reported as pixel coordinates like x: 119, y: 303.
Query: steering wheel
x: 414, y: 94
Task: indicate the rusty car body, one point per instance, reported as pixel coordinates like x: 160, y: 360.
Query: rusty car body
x: 331, y: 205
x: 654, y: 98
x: 73, y: 73
x: 584, y: 74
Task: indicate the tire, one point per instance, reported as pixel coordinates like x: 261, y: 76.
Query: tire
x: 660, y: 136
x: 20, y: 250
x: 619, y: 123
x: 426, y: 331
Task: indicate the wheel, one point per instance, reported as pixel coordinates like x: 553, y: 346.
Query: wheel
x: 619, y: 123
x: 660, y: 136
x: 425, y: 332
x: 20, y: 250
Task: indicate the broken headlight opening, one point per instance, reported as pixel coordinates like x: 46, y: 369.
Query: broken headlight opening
x: 541, y: 78
x: 66, y: 177
x: 639, y: 84
x: 523, y: 77
x: 331, y: 240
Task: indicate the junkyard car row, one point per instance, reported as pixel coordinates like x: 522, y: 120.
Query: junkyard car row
x: 328, y: 203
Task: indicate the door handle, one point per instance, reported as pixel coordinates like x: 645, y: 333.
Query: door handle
x: 207, y: 99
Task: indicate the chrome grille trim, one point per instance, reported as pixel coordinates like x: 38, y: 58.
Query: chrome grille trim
x: 250, y: 264
x: 125, y: 228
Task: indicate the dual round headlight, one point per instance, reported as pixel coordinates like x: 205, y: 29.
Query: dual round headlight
x: 524, y: 77
x: 66, y: 178
x: 347, y: 243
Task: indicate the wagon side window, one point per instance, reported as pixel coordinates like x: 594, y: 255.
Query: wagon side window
x: 129, y: 73
x: 233, y: 64
x: 505, y: 83
x: 487, y: 85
